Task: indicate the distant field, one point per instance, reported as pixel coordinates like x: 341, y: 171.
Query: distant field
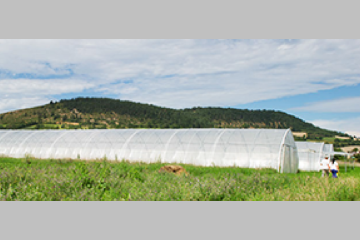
x: 55, y: 180
x: 325, y: 139
x: 329, y: 140
x: 342, y: 144
x: 350, y: 148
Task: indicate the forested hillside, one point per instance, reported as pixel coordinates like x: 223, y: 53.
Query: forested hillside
x: 92, y: 113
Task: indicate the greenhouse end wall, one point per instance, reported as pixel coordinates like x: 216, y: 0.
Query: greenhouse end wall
x: 246, y: 148
x: 310, y: 155
x: 328, y: 149
x: 289, y: 160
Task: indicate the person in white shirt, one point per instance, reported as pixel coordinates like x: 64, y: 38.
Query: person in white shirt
x: 334, y: 168
x: 324, y: 166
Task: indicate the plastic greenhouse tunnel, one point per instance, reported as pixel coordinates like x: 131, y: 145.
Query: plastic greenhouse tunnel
x: 244, y: 148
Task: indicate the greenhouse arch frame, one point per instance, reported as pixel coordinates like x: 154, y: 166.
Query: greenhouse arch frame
x: 245, y: 148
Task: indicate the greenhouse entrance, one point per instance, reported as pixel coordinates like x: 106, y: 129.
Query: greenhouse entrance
x: 288, y: 151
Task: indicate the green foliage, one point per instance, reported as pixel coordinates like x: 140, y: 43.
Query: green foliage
x: 338, y: 143
x: 357, y: 157
x: 54, y: 180
x: 28, y: 158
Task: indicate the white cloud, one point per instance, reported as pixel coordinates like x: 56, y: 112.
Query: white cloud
x: 350, y: 126
x: 24, y: 93
x: 284, y: 47
x: 31, y: 87
x: 337, y: 105
x: 185, y: 73
x: 8, y: 104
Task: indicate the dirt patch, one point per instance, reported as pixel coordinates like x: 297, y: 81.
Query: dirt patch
x: 71, y: 123
x: 300, y: 134
x: 350, y: 148
x: 177, y: 170
x: 339, y: 137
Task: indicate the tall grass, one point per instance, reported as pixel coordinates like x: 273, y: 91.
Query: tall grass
x: 55, y: 180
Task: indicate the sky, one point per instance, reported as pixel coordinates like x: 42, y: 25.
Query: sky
x: 315, y: 80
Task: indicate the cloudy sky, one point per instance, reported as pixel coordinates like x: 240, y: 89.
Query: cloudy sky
x: 316, y: 80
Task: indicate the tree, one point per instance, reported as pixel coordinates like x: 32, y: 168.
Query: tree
x: 40, y: 118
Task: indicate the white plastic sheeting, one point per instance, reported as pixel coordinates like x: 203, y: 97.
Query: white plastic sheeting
x: 328, y: 149
x: 310, y: 155
x: 247, y: 148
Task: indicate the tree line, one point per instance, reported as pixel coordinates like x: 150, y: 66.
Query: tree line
x: 112, y: 113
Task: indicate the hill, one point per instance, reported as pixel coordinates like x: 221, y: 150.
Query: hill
x: 92, y: 113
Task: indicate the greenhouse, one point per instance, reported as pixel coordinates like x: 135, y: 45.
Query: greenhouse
x: 245, y: 148
x: 310, y: 155
x: 328, y: 149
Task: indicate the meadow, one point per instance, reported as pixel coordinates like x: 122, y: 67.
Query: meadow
x: 31, y: 179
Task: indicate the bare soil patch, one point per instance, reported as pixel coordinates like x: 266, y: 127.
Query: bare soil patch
x: 177, y: 170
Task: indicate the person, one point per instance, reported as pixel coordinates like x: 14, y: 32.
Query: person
x: 334, y: 168
x: 324, y: 166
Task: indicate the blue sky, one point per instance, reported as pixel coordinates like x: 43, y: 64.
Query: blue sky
x: 316, y: 80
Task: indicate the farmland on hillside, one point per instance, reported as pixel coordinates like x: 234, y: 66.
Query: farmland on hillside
x: 105, y: 113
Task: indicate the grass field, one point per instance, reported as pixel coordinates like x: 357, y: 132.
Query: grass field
x: 66, y: 180
x: 329, y: 139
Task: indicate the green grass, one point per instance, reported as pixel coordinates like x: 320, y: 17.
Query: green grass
x: 54, y: 180
x: 329, y: 139
x: 48, y: 125
x: 31, y: 127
